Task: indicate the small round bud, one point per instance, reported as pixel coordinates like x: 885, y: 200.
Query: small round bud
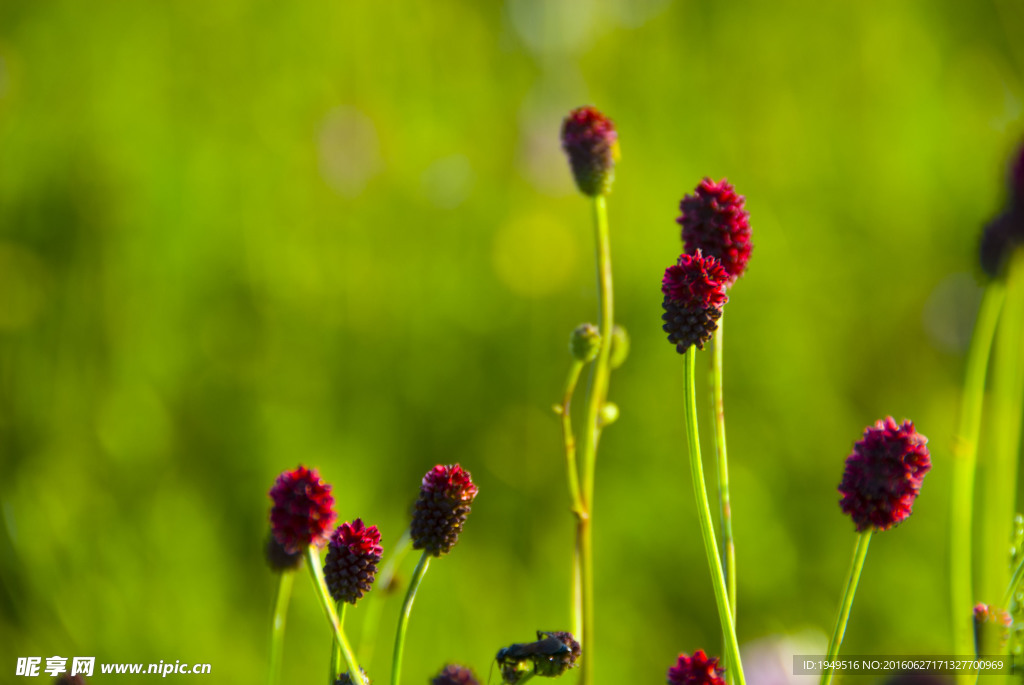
x: 585, y: 342
x: 620, y: 346
x: 991, y: 629
x: 609, y: 413
x: 590, y: 141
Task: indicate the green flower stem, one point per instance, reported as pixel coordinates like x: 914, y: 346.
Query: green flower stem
x: 860, y: 552
x: 372, y: 613
x: 1000, y: 471
x: 317, y: 573
x: 526, y: 677
x: 284, y: 593
x: 335, y: 665
x: 592, y: 433
x: 728, y: 545
x: 732, y: 650
x: 965, y: 451
x: 572, y: 469
x: 403, y: 619
x: 573, y: 476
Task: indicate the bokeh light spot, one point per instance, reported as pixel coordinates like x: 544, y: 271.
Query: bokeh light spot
x: 534, y: 255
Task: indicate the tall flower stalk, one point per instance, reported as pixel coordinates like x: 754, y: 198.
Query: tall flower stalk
x: 882, y: 478
x: 446, y: 498
x: 694, y: 294
x: 965, y: 468
x: 1007, y: 407
x: 591, y: 143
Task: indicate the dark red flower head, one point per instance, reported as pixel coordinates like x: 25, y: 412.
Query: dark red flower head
x: 303, y: 513
x: 696, y: 670
x: 715, y: 223
x: 883, y: 475
x: 446, y: 497
x: 453, y: 674
x: 352, y: 557
x: 694, y: 290
x: 555, y: 664
x: 590, y: 140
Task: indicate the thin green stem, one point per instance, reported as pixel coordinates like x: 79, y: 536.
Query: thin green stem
x: 573, y: 476
x: 860, y: 552
x: 526, y: 677
x: 403, y: 619
x: 1011, y: 588
x: 569, y: 437
x: 1001, y: 469
x: 965, y: 452
x: 732, y: 651
x: 592, y: 433
x: 371, y: 616
x: 335, y: 665
x: 284, y: 593
x: 327, y: 604
x: 728, y: 545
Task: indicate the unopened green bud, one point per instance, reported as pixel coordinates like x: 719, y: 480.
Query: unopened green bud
x: 609, y: 413
x: 585, y: 343
x: 620, y: 346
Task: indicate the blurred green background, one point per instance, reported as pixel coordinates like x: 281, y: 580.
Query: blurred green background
x: 238, y: 236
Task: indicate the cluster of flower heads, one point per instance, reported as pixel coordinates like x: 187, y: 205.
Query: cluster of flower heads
x: 590, y: 141
x: 1006, y: 232
x: 699, y: 669
x: 883, y: 475
x: 716, y: 249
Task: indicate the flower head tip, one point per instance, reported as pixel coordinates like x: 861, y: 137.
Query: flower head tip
x: 590, y: 141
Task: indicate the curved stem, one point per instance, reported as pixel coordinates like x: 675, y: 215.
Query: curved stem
x: 1000, y: 470
x: 563, y: 410
x: 728, y: 546
x: 578, y: 509
x: 284, y: 593
x: 403, y: 619
x: 371, y: 619
x: 732, y: 650
x: 965, y: 452
x: 860, y: 552
x: 592, y: 433
x: 327, y: 604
